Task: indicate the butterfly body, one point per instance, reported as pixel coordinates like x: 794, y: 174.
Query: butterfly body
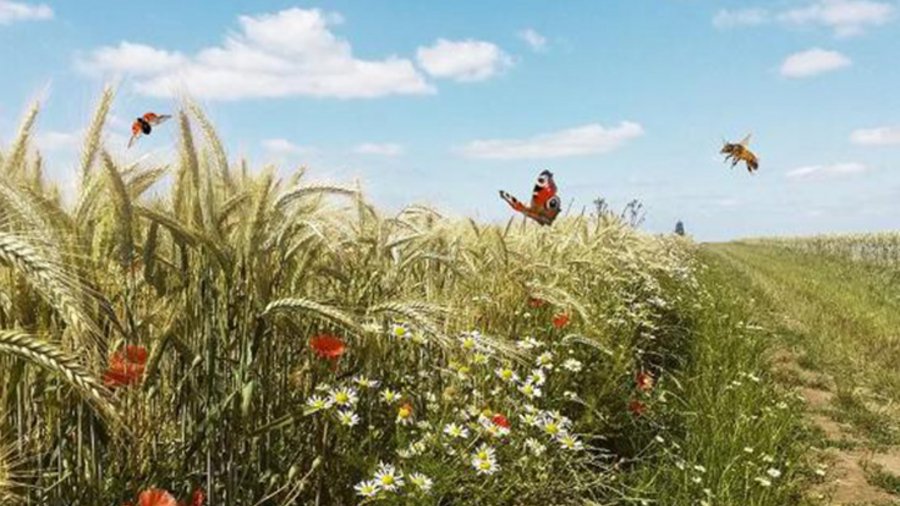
x: 545, y: 203
x: 740, y: 152
x: 144, y: 125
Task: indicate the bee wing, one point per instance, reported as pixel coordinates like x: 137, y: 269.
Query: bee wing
x: 155, y: 119
x: 746, y: 141
x: 132, y: 139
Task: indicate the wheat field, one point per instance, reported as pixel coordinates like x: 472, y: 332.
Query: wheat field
x: 217, y: 332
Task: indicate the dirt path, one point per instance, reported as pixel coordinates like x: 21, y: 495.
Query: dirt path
x: 836, y: 343
x: 847, y: 461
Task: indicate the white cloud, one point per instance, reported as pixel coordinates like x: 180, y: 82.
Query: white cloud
x: 743, y: 17
x: 727, y: 202
x: 54, y: 141
x: 467, y: 60
x: 285, y: 147
x: 384, y: 149
x: 818, y: 172
x: 881, y: 136
x: 536, y: 41
x: 290, y: 53
x: 813, y: 62
x: 845, y: 17
x: 11, y: 12
x: 584, y: 140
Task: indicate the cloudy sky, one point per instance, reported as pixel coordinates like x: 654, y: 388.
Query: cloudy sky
x: 446, y: 102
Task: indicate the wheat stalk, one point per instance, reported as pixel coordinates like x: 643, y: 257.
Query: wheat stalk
x: 41, y: 353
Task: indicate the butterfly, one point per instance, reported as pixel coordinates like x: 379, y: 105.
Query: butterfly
x: 545, y: 202
x: 144, y: 125
x: 740, y: 152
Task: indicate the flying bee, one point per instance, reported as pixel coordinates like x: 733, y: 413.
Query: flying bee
x: 739, y: 152
x: 144, y: 125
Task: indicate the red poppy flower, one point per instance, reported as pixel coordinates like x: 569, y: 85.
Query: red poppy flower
x: 560, y: 320
x: 500, y: 421
x: 327, y: 346
x: 197, y: 499
x: 636, y: 407
x: 536, y: 302
x: 126, y: 367
x: 644, y: 381
x: 156, y: 497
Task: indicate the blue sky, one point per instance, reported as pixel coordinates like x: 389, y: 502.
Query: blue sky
x: 444, y: 103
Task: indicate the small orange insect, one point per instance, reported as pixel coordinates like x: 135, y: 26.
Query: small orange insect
x: 144, y: 125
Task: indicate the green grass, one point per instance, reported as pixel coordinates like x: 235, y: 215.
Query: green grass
x: 225, y: 273
x: 733, y: 419
x: 887, y: 481
x: 845, y: 316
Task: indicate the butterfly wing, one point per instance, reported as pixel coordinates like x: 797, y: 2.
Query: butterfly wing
x: 545, y: 203
x: 513, y: 202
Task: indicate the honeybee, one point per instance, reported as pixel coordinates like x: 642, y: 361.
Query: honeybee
x: 144, y: 125
x: 739, y: 152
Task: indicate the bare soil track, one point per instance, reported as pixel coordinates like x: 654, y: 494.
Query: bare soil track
x: 835, y: 324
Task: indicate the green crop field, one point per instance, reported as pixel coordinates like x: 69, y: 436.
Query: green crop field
x: 209, y: 328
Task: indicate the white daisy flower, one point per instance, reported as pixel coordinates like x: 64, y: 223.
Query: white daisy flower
x: 700, y: 469
x: 484, y: 452
x: 421, y: 481
x: 528, y: 343
x: 388, y: 477
x: 530, y: 419
x: 390, y: 396
x: 367, y: 488
x: 404, y: 414
x: 768, y: 459
x: 348, y: 418
x: 573, y: 365
x: 487, y: 467
x: 506, y: 374
x: 748, y: 449
x: 535, y: 447
x: 569, y: 442
x: 774, y: 473
x: 537, y: 376
x: 545, y: 360
x: 468, y: 342
x: 400, y: 331
x: 530, y: 391
x: 343, y: 397
x: 317, y: 403
x: 763, y: 481
x: 364, y: 382
x: 456, y: 431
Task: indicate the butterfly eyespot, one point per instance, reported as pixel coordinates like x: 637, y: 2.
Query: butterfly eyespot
x: 553, y: 203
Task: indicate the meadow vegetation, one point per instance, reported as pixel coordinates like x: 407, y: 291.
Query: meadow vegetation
x: 205, y: 326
